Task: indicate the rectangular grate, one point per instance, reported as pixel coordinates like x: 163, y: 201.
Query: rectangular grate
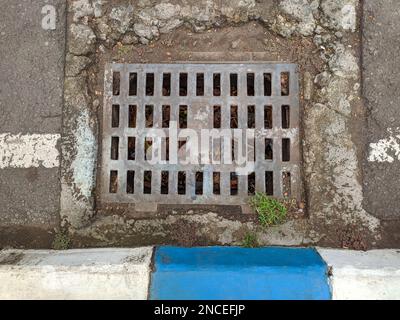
x: 200, y: 133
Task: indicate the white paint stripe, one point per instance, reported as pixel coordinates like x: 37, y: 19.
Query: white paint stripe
x: 30, y: 150
x: 386, y: 150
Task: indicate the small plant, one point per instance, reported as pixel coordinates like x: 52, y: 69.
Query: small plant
x: 61, y: 241
x: 250, y: 240
x: 270, y: 210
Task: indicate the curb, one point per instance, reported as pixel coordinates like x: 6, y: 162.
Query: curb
x: 209, y: 273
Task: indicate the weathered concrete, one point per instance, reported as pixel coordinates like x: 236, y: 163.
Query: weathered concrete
x: 76, y: 274
x: 381, y: 66
x: 31, y: 91
x: 358, y: 275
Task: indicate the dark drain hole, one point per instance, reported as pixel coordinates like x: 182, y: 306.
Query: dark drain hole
x: 200, y: 84
x: 269, y: 183
x: 130, y: 182
x: 183, y: 77
x: 148, y: 149
x: 183, y: 110
x: 251, y: 183
x: 234, y: 183
x: 149, y: 84
x: 131, y: 148
x: 133, y: 84
x: 234, y: 84
x: 251, y: 117
x: 113, y: 181
x: 149, y: 114
x: 164, y: 182
x: 285, y: 117
x: 181, y: 182
x: 285, y: 83
x: 216, y: 183
x: 268, y: 117
x: 115, y: 116
x: 217, y: 84
x: 285, y: 149
x: 147, y: 182
x: 234, y: 117
x: 132, y: 116
x: 267, y: 84
x: 165, y: 151
x: 166, y: 86
x: 114, y: 148
x: 116, y: 83
x: 286, y: 183
x: 166, y: 116
x: 269, y: 153
x: 199, y: 183
x: 217, y: 117
x: 250, y: 84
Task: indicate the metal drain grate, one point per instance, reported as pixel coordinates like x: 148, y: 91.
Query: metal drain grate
x: 158, y: 117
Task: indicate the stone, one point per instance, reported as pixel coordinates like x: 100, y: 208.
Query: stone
x: 129, y: 39
x: 121, y: 18
x: 75, y: 65
x: 81, y: 8
x: 143, y: 31
x: 82, y: 40
x: 302, y: 11
x: 339, y: 14
x: 166, y: 11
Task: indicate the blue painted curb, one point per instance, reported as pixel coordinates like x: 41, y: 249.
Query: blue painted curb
x: 234, y: 273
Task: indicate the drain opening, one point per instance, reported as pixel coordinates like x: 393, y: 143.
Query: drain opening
x: 263, y: 97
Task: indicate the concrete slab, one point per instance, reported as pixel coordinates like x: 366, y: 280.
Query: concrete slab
x: 75, y: 274
x: 31, y: 98
x: 381, y: 89
x: 358, y: 275
x: 228, y: 273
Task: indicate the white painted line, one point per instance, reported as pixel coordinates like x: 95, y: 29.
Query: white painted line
x: 359, y: 275
x: 29, y: 150
x: 75, y: 274
x: 386, y: 150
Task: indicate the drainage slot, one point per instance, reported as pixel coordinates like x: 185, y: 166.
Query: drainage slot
x: 268, y: 117
x: 285, y: 150
x: 183, y: 77
x: 181, y: 182
x: 269, y: 183
x: 285, y: 83
x: 131, y: 148
x: 285, y: 117
x: 267, y: 84
x: 216, y: 183
x: 164, y: 182
x: 183, y: 110
x: 200, y: 84
x: 165, y: 149
x: 147, y: 182
x: 251, y: 117
x: 148, y: 149
x: 234, y: 84
x: 149, y: 113
x: 130, y: 182
x: 199, y: 183
x: 116, y: 83
x: 113, y: 181
x: 133, y: 84
x: 286, y: 184
x: 217, y: 84
x: 166, y: 85
x: 250, y: 84
x: 166, y: 116
x: 132, y: 116
x: 251, y: 183
x: 115, y: 116
x: 149, y: 84
x: 234, y: 117
x: 114, y: 148
x: 234, y: 183
x: 217, y: 117
x: 269, y: 153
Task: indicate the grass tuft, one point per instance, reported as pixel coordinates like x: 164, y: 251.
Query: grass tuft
x: 270, y: 211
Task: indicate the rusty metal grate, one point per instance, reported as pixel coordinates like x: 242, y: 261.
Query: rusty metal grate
x: 149, y: 108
